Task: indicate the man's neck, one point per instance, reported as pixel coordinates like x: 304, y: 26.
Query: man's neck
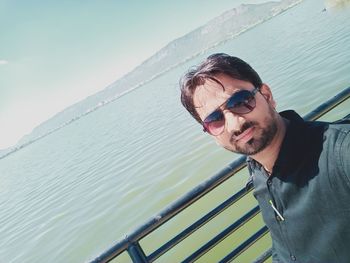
x: 268, y: 156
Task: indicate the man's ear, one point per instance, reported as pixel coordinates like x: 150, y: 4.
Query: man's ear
x: 267, y: 94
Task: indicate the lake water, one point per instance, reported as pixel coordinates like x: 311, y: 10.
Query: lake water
x: 74, y: 193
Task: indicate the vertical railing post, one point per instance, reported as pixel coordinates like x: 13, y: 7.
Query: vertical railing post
x: 132, y: 245
x: 136, y: 253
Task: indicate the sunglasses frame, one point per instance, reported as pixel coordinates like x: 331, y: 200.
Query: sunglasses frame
x: 218, y: 109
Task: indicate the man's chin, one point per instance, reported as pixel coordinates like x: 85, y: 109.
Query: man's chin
x: 251, y: 147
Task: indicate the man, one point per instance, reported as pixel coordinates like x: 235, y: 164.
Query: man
x: 300, y: 170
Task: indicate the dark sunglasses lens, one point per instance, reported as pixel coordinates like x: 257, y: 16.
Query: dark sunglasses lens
x: 241, y: 102
x: 214, y: 123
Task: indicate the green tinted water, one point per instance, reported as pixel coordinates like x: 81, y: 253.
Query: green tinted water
x: 71, y: 195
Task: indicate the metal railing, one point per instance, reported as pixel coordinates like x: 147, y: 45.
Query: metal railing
x: 131, y: 242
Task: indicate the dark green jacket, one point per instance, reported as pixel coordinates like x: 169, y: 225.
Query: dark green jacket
x: 310, y: 189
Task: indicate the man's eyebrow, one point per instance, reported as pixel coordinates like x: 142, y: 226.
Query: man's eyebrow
x: 237, y: 89
x: 234, y: 92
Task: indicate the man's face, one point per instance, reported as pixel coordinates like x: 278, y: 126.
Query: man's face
x: 246, y: 133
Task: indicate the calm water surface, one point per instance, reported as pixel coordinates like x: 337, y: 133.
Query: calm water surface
x: 74, y: 193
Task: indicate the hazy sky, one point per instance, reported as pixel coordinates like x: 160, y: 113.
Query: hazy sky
x: 55, y: 53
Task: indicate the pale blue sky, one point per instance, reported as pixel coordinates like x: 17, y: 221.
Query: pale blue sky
x: 55, y: 53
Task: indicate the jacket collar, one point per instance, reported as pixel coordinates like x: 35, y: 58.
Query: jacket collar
x: 293, y: 145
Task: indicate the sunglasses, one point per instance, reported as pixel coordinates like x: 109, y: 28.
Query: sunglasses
x: 241, y: 102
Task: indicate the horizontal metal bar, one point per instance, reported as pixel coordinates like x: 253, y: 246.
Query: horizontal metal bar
x: 328, y: 105
x: 173, y: 209
x: 203, y: 189
x: 246, y: 244
x: 222, y: 235
x: 263, y: 257
x: 196, y: 225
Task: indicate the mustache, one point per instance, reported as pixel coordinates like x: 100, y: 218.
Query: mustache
x: 243, y: 128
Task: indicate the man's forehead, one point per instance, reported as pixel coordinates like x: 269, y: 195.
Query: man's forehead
x: 211, y: 90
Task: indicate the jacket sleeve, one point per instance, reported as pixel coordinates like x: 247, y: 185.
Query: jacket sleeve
x: 275, y: 258
x: 345, y: 154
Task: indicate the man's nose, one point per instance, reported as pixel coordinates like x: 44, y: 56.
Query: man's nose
x: 232, y: 121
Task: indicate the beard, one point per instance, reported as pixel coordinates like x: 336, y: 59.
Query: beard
x: 262, y: 139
